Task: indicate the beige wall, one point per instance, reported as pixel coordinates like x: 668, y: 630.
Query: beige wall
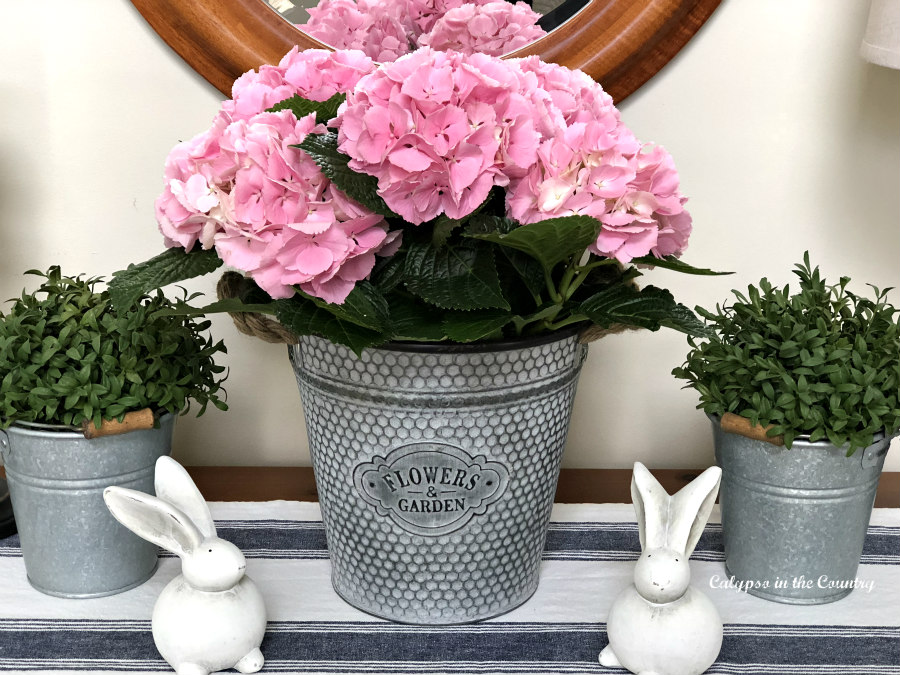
x: 784, y: 137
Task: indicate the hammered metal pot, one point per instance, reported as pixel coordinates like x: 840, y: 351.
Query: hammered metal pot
x: 794, y: 521
x: 72, y: 546
x: 436, y: 469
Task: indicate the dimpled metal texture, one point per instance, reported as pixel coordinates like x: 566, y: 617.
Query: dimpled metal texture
x: 507, y: 406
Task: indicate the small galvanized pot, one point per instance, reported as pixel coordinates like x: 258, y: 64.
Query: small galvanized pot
x: 794, y: 521
x: 436, y: 468
x: 72, y: 546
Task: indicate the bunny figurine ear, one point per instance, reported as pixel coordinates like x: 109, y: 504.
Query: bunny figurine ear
x: 690, y: 510
x: 153, y: 519
x: 651, y: 505
x: 174, y: 485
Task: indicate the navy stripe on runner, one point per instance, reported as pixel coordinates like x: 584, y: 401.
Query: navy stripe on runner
x: 358, y: 647
x: 590, y: 541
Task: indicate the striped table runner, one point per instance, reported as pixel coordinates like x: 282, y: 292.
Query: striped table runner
x: 588, y: 559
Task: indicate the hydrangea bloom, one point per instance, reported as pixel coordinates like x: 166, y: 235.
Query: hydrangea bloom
x: 591, y: 164
x: 494, y: 28
x: 380, y: 29
x: 315, y: 74
x: 439, y: 130
x: 264, y: 205
x: 387, y: 29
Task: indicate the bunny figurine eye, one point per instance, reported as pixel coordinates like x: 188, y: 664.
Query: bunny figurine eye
x: 662, y: 575
x: 216, y: 565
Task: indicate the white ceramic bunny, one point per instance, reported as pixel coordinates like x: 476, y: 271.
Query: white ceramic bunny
x: 210, y: 617
x: 660, y: 625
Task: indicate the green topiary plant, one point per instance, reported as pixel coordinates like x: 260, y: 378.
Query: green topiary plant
x: 823, y: 363
x: 70, y: 357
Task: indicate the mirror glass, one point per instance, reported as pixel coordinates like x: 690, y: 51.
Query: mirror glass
x: 386, y: 29
x: 619, y: 43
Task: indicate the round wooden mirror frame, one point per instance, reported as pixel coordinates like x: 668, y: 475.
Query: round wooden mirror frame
x: 620, y: 43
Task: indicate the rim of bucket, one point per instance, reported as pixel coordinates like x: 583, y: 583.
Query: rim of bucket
x: 803, y: 439
x: 472, y: 347
x: 61, y: 429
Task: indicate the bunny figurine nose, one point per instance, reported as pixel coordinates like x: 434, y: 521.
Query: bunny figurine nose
x: 216, y: 565
x: 661, y: 575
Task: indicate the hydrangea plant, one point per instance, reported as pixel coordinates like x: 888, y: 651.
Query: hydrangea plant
x: 443, y: 196
x: 67, y: 356
x: 385, y: 30
x: 822, y: 363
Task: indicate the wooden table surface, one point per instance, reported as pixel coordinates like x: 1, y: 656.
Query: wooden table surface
x: 253, y: 484
x: 576, y: 486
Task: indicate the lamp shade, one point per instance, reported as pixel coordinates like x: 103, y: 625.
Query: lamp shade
x: 881, y: 44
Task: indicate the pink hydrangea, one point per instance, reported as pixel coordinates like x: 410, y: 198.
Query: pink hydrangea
x: 264, y: 205
x: 589, y: 163
x: 380, y: 29
x: 650, y: 216
x: 314, y: 74
x: 493, y: 28
x: 328, y: 253
x: 385, y: 30
x: 439, y: 130
x: 424, y: 14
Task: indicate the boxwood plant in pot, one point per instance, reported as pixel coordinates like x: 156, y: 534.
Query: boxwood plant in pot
x: 88, y: 397
x: 431, y: 236
x: 803, y: 391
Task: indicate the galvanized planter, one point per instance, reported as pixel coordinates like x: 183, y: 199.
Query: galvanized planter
x: 436, y: 469
x: 72, y: 546
x: 794, y: 521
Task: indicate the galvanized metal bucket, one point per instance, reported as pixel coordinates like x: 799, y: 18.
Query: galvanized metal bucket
x: 794, y: 521
x: 436, y: 469
x: 72, y: 546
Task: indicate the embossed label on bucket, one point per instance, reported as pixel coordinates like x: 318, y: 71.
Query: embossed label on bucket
x: 430, y: 488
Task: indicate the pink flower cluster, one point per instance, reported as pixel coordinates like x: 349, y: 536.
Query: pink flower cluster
x: 379, y: 28
x: 589, y: 163
x: 264, y: 205
x: 493, y: 28
x: 439, y: 130
x: 387, y: 29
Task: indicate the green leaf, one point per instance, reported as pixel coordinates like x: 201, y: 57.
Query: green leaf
x: 648, y: 307
x: 360, y: 187
x: 172, y: 266
x: 528, y: 269
x: 442, y: 229
x: 684, y: 320
x: 304, y: 317
x: 365, y: 306
x: 414, y: 320
x: 461, y: 276
x: 388, y: 272
x: 549, y: 241
x: 301, y: 107
x: 229, y: 305
x: 672, y: 263
x: 477, y: 325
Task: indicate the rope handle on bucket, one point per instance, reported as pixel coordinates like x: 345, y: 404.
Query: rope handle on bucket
x: 269, y: 330
x: 735, y: 424
x: 135, y: 420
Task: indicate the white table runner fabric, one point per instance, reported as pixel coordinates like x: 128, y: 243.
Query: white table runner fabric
x: 588, y: 560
